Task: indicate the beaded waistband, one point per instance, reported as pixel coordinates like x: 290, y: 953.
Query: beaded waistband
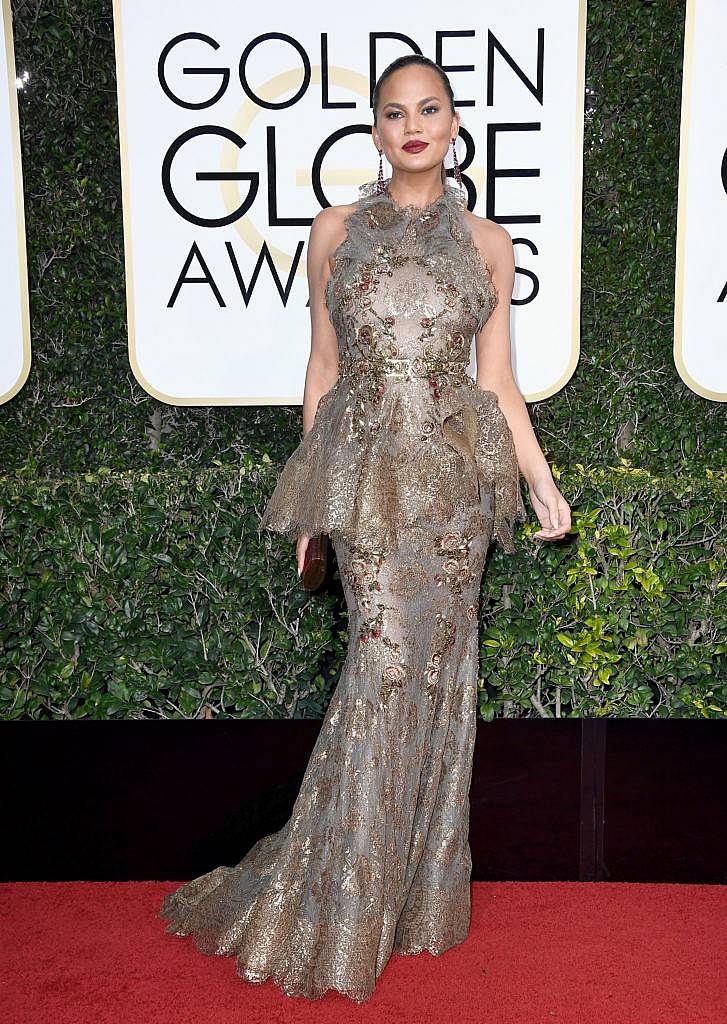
x: 432, y: 368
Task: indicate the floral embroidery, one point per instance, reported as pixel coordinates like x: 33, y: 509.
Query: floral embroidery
x: 448, y: 290
x: 365, y: 334
x: 444, y: 637
x: 454, y: 547
x: 361, y: 573
x: 371, y: 628
x: 394, y: 673
x: 393, y: 678
x: 427, y: 429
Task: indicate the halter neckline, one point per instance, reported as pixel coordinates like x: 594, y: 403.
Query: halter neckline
x: 412, y: 207
x: 449, y: 194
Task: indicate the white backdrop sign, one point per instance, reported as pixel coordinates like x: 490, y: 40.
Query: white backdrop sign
x: 15, y: 338
x: 700, y: 307
x: 238, y: 123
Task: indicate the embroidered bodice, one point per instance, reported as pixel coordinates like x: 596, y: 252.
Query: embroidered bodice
x: 405, y: 431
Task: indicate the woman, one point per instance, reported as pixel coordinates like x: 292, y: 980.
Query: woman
x: 412, y: 468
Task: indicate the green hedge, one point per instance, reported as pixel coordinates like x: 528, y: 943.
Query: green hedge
x: 154, y: 595
x: 173, y: 605
x: 146, y: 595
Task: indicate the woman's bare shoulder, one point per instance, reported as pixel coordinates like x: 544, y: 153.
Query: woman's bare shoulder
x: 492, y: 239
x: 330, y: 219
x: 328, y: 229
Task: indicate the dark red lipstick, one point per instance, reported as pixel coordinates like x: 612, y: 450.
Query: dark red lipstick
x: 414, y: 147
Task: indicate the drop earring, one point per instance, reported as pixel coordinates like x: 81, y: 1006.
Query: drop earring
x: 380, y: 185
x: 457, y: 171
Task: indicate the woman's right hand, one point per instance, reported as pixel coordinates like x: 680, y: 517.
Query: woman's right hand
x: 300, y: 548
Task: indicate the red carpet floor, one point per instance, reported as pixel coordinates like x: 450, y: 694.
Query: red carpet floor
x: 558, y: 952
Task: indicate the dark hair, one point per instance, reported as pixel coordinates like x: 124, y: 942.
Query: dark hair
x: 403, y: 62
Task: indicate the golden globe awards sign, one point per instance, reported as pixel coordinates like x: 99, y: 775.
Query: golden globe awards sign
x: 700, y: 307
x: 15, y: 344
x: 238, y: 124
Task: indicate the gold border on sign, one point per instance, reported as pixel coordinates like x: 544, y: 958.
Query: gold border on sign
x: 19, y: 205
x: 577, y: 236
x: 687, y: 70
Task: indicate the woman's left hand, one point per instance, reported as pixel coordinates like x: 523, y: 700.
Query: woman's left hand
x: 551, y: 508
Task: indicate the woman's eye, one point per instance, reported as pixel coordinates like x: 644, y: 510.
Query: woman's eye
x: 393, y: 113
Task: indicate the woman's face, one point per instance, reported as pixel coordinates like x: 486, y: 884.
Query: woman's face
x: 414, y: 107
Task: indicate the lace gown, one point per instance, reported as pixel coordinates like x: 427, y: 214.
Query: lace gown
x: 410, y: 468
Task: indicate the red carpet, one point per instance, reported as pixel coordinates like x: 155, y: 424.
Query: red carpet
x: 561, y: 952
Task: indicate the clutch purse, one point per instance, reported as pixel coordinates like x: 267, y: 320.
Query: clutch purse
x: 315, y: 561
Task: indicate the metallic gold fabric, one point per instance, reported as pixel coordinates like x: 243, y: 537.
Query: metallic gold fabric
x: 411, y: 468
x: 388, y: 444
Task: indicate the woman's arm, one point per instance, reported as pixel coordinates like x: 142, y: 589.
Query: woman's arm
x: 494, y: 373
x: 325, y: 234
x: 494, y: 358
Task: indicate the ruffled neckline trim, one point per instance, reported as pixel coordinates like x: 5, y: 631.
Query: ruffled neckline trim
x: 451, y: 196
x: 437, y: 229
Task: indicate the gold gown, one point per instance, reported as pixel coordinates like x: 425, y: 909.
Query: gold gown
x: 410, y: 468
